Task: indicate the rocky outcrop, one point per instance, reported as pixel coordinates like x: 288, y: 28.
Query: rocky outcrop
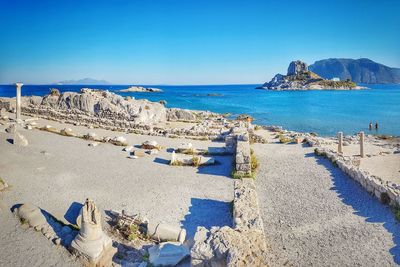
x: 141, y: 89
x: 297, y: 67
x: 102, y: 104
x: 300, y: 78
x: 361, y: 70
x: 177, y: 114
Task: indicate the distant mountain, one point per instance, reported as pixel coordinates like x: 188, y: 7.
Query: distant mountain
x: 85, y: 81
x: 361, y: 70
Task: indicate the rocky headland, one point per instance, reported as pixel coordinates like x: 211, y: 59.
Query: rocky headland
x: 141, y: 89
x: 299, y: 77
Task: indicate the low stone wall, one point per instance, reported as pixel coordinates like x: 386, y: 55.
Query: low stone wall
x: 82, y: 118
x: 242, y: 158
x: 387, y: 192
x: 242, y: 245
x: 242, y: 152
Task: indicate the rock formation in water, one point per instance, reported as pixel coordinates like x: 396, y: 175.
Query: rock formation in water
x: 361, y: 70
x: 299, y: 77
x: 141, y: 89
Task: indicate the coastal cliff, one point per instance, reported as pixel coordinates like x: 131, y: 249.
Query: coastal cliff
x: 299, y: 77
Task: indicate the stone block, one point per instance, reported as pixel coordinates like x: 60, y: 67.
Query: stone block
x: 19, y: 139
x: 167, y: 254
x: 139, y: 153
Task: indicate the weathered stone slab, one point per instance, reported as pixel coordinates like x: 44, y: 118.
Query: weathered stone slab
x: 167, y: 254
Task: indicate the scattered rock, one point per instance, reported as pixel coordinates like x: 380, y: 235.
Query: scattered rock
x: 11, y: 129
x: 119, y: 141
x: 152, y: 152
x: 32, y: 215
x: 128, y: 148
x: 67, y: 132
x: 150, y: 145
x: 138, y: 153
x: 19, y: 139
x: 90, y: 136
x: 94, y: 144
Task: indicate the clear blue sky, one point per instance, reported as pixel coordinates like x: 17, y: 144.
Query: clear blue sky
x: 188, y: 42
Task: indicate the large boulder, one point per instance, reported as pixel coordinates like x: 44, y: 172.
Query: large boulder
x: 177, y: 114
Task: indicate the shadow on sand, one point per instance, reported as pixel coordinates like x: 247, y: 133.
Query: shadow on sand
x: 73, y: 212
x: 206, y: 213
x: 365, y: 205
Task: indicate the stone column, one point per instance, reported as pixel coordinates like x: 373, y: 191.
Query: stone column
x: 340, y: 145
x: 18, y: 104
x: 362, y: 154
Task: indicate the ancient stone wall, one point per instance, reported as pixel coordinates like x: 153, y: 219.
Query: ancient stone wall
x: 244, y: 243
x: 387, y: 192
x: 242, y: 153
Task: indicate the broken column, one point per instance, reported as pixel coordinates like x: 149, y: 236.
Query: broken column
x: 340, y: 145
x: 92, y: 244
x: 362, y: 137
x: 18, y: 101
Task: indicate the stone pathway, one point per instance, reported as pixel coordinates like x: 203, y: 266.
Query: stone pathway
x: 314, y: 215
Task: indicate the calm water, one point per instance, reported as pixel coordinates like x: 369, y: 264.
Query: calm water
x: 324, y: 112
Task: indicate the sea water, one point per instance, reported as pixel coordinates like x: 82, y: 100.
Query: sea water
x: 324, y: 112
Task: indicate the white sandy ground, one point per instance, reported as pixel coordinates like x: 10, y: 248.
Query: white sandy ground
x: 379, y: 160
x: 70, y: 171
x: 314, y: 215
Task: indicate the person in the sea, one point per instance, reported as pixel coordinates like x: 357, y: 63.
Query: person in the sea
x: 370, y: 126
x: 376, y: 126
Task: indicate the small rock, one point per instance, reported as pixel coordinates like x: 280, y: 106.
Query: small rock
x: 11, y: 129
x: 94, y: 144
x: 150, y: 145
x: 57, y: 241
x: 32, y: 215
x: 19, y: 139
x: 128, y: 148
x: 138, y: 153
x: 152, y: 152
x: 119, y: 141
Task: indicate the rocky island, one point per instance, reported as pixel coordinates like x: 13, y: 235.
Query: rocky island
x: 140, y: 89
x: 299, y: 77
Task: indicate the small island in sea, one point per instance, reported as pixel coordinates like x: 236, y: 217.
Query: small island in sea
x: 299, y: 77
x: 140, y: 89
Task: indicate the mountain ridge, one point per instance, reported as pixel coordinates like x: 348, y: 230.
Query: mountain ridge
x: 362, y: 70
x: 84, y: 81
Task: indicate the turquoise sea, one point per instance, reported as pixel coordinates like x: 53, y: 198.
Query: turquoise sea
x: 324, y: 112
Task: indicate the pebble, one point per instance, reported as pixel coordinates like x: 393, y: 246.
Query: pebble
x: 57, y: 241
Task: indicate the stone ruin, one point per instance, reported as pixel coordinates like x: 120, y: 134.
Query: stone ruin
x: 92, y: 244
x: 240, y: 245
x: 244, y: 243
x: 297, y: 67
